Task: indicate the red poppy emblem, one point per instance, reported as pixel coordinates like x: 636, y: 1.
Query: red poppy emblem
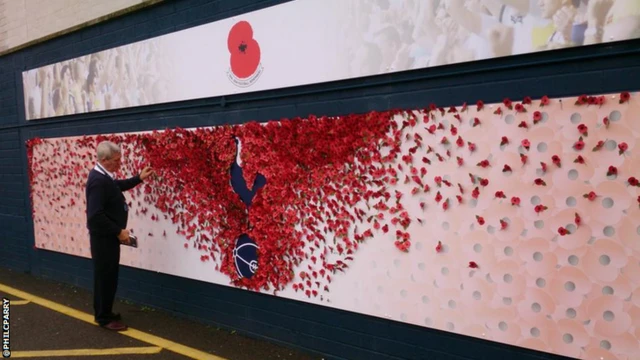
x: 244, y: 50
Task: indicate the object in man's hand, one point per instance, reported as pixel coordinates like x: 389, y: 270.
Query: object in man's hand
x: 133, y: 241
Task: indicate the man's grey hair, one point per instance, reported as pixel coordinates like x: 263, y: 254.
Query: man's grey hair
x: 107, y: 149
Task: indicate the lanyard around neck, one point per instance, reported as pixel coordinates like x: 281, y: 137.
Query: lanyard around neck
x: 105, y: 171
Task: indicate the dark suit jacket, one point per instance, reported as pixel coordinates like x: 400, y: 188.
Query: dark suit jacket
x: 106, y: 207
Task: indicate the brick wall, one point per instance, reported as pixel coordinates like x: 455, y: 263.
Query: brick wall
x: 334, y: 333
x: 26, y: 21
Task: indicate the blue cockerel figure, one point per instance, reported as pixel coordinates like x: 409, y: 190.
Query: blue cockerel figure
x: 245, y: 253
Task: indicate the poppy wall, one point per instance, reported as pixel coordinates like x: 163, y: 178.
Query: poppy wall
x: 516, y: 222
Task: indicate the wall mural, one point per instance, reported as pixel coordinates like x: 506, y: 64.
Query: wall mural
x: 358, y: 38
x: 516, y: 222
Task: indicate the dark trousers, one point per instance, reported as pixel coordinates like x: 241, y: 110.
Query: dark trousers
x: 105, y: 253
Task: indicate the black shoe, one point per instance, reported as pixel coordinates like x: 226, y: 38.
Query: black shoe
x: 115, y: 326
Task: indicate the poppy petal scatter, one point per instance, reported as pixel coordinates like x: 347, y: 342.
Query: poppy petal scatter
x: 333, y: 195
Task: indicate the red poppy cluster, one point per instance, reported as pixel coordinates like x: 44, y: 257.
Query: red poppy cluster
x: 326, y: 176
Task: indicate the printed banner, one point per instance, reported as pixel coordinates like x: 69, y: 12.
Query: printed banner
x: 308, y: 41
x: 516, y: 222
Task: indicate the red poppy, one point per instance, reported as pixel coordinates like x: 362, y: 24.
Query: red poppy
x: 633, y: 181
x: 562, y: 231
x: 556, y: 160
x: 582, y: 99
x: 459, y: 160
x: 503, y: 225
x: 579, y: 160
x: 483, y: 164
x: 460, y: 142
x: 480, y: 105
x: 475, y: 193
x: 578, y: 145
x: 578, y: 219
x: 244, y: 49
x: 598, y: 146
x: 515, y: 201
x: 543, y: 167
x: 520, y: 108
x: 484, y: 182
x: 480, y: 220
x: 507, y: 103
x: 403, y: 245
x: 540, y: 208
x: 498, y: 111
x: 500, y: 195
x: 523, y: 124
x: 583, y: 129
x: 445, y: 205
x: 506, y: 168
x: 473, y: 265
x: 540, y: 182
x: 438, y: 197
x: 439, y: 247
x: 526, y: 100
x: 454, y: 130
x: 606, y: 122
x: 624, y: 97
x: 591, y: 196
x: 504, y: 141
x: 438, y: 180
x: 544, y: 101
x: 471, y: 146
x: 523, y: 159
x: 622, y: 147
x: 444, y: 140
x: 525, y: 144
x: 612, y: 171
x: 537, y: 117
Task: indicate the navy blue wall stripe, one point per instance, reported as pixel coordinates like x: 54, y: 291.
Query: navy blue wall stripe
x: 335, y: 333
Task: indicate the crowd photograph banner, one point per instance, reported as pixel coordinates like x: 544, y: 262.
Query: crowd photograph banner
x: 516, y: 222
x: 320, y: 41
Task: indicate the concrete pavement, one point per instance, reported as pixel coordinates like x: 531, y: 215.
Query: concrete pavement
x: 50, y: 320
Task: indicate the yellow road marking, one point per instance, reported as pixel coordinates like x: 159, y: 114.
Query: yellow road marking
x: 19, y: 302
x: 136, y: 334
x: 87, y: 352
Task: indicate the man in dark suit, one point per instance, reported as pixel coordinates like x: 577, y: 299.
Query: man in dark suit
x: 107, y: 212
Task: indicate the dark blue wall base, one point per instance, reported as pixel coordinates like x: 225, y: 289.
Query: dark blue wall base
x: 338, y: 334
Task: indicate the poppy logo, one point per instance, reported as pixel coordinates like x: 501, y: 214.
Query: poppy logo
x: 245, y: 67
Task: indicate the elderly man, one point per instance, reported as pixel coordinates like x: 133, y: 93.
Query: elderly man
x: 107, y: 213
